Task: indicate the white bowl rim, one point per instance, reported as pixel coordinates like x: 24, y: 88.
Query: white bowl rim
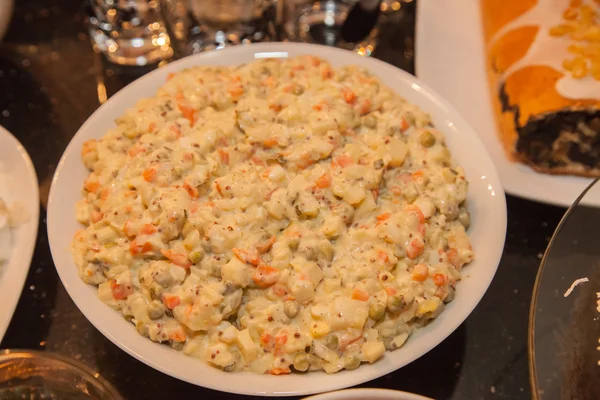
x: 294, y: 384
x: 361, y: 393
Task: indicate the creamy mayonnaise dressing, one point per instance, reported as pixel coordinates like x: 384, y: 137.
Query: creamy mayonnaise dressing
x: 277, y: 216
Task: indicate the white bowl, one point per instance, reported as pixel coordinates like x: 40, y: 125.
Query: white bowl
x: 486, y: 203
x: 367, y: 394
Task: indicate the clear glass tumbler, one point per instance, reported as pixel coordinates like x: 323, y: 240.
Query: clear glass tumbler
x: 200, y: 25
x: 26, y: 374
x: 129, y: 32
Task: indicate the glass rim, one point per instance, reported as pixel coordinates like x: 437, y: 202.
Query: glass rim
x: 74, y: 365
x: 533, y: 381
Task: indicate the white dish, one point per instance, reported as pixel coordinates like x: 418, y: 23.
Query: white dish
x: 450, y: 57
x: 486, y: 198
x: 367, y: 394
x: 20, y: 185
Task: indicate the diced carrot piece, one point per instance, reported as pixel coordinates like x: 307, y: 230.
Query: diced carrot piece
x: 218, y: 187
x: 266, y: 246
x: 89, y: 146
x: 281, y: 338
x: 91, y: 186
x: 176, y: 258
x: 305, y: 161
x: 235, y: 90
x: 324, y: 181
x: 403, y: 125
x: 279, y: 371
x: 349, y: 95
x: 364, y: 106
x: 454, y: 259
x: 120, y: 292
x: 249, y: 257
x: 415, y: 248
x: 416, y: 210
x: 135, y: 150
x: 148, y: 229
x: 192, y: 191
x: 361, y: 295
x: 188, y: 113
x: 149, y: 174
x: 265, y: 276
x: 170, y: 75
x: 271, y: 142
x: 151, y: 127
x: 170, y: 300
x: 236, y: 78
x: 383, y: 217
x: 315, y: 61
x: 327, y: 72
x: 439, y: 279
x: 270, y: 81
x: 390, y: 290
x: 257, y: 160
x: 342, y: 161
x: 275, y: 107
x: 279, y: 290
x: 104, y: 194
x: 96, y: 216
x: 266, y: 338
x: 224, y: 156
x: 383, y: 256
x: 420, y: 272
x: 178, y: 336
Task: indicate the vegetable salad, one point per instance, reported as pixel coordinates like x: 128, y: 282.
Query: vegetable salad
x: 274, y: 217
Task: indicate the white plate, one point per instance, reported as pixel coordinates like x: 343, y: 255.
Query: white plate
x: 21, y: 185
x: 450, y: 58
x: 367, y: 394
x: 486, y: 197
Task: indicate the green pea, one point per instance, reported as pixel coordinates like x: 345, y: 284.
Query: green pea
x: 376, y: 311
x: 352, y: 363
x: 298, y: 90
x: 196, y: 256
x: 293, y: 243
x: 427, y: 139
x: 396, y: 303
x: 332, y: 342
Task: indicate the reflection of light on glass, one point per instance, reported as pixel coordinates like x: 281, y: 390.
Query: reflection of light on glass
x: 140, y: 60
x: 101, y: 92
x: 112, y: 12
x: 482, y: 176
x: 450, y: 124
x: 329, y: 19
x: 112, y: 48
x: 155, y: 26
x: 272, y: 54
x: 415, y: 86
x: 137, y: 42
x: 161, y: 40
x: 396, y: 5
x: 383, y: 6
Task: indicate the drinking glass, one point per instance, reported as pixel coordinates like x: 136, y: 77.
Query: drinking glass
x: 26, y: 374
x: 321, y: 21
x: 129, y: 32
x: 200, y: 25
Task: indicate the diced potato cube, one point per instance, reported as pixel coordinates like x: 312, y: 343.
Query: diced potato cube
x: 372, y: 351
x: 248, y: 347
x: 236, y: 272
x: 303, y: 290
x: 397, y: 150
x: 354, y: 194
x: 213, y: 296
x: 348, y: 313
x: 229, y: 335
x: 219, y: 355
x: 333, y: 226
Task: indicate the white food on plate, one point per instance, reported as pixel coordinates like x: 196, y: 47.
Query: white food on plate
x: 274, y: 215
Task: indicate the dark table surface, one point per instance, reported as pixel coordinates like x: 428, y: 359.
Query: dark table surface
x: 49, y: 85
